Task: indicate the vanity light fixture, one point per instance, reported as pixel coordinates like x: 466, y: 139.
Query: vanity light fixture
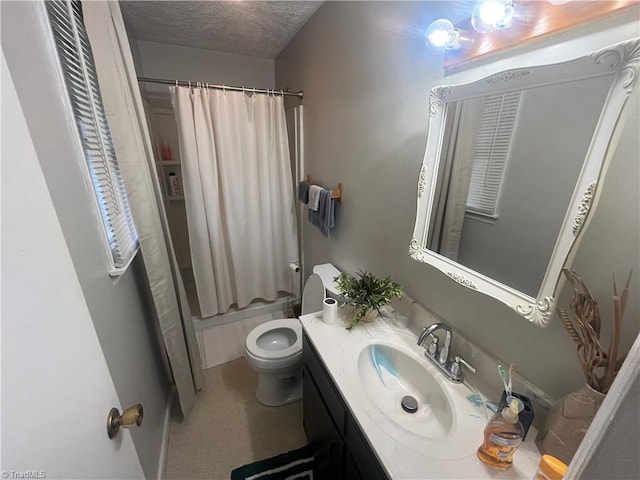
x: 522, y: 21
x: 442, y: 34
x: 490, y: 15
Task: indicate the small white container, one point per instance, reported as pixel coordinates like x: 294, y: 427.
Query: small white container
x: 174, y: 185
x: 330, y: 311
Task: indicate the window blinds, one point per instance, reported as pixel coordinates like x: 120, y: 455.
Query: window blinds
x: 76, y: 59
x: 492, y: 145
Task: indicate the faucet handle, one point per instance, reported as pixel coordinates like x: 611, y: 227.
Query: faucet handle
x: 456, y: 374
x: 433, y: 347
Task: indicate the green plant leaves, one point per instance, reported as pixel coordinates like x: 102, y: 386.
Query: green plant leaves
x: 365, y: 292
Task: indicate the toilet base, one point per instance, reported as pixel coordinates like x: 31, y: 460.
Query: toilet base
x: 275, y: 392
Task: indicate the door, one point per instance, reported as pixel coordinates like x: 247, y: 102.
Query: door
x: 56, y: 387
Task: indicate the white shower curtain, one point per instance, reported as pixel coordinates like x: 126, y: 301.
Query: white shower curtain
x: 238, y: 195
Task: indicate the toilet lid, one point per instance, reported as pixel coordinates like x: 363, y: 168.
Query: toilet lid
x: 290, y: 323
x: 313, y: 294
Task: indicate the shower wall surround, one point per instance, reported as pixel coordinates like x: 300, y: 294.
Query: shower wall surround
x: 366, y: 74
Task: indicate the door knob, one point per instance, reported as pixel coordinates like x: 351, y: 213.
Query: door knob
x: 131, y: 417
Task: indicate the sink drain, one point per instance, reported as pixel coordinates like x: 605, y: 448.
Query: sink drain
x: 409, y: 404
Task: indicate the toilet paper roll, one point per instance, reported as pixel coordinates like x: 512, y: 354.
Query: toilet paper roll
x: 330, y: 311
x: 294, y: 268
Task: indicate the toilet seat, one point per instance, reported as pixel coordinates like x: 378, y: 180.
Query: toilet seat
x: 263, y: 354
x: 280, y: 369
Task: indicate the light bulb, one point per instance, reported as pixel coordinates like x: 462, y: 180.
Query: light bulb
x: 489, y: 15
x: 442, y: 34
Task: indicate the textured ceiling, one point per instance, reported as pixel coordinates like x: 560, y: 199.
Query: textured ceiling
x: 256, y: 28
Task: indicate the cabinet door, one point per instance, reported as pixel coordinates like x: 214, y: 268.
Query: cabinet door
x: 351, y: 469
x: 359, y: 453
x: 323, y: 436
x: 325, y: 385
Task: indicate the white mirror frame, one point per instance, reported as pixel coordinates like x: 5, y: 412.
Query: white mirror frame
x: 622, y: 62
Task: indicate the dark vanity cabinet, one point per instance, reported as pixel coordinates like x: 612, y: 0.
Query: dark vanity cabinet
x: 340, y: 449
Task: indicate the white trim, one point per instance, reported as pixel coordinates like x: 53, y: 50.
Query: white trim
x: 72, y: 65
x: 166, y: 430
x: 118, y: 272
x: 621, y: 62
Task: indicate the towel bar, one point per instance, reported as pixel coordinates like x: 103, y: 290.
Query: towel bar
x: 335, y: 193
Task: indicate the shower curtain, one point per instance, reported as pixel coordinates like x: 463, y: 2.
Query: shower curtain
x: 238, y: 195
x: 455, y: 177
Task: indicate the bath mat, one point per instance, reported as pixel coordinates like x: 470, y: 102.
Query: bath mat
x: 296, y: 464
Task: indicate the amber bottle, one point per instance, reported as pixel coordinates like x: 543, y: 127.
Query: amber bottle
x: 502, y: 437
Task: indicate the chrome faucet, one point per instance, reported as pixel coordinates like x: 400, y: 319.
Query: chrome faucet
x: 440, y: 356
x: 443, y: 356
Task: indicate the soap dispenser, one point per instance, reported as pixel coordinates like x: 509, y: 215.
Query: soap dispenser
x: 502, y: 436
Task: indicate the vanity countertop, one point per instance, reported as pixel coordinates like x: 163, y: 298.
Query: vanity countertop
x: 401, y: 462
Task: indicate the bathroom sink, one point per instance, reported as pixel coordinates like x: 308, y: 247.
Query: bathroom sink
x: 388, y: 374
x: 383, y: 367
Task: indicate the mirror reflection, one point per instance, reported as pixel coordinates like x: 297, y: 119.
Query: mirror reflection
x: 508, y: 165
x: 511, y: 173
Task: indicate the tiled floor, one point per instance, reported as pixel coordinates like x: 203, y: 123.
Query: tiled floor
x: 228, y: 428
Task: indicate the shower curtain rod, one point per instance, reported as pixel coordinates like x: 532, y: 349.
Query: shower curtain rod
x: 185, y: 83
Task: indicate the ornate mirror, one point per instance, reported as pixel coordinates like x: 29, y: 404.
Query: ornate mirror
x: 511, y: 172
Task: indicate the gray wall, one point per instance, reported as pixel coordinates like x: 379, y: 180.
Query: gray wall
x: 516, y: 248
x: 121, y: 313
x: 173, y: 62
x: 366, y: 72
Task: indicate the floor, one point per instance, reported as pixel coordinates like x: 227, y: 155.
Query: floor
x: 228, y: 428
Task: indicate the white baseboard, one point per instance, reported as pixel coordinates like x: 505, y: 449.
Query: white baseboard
x: 162, y: 460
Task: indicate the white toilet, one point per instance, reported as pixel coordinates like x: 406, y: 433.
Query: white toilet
x: 274, y: 349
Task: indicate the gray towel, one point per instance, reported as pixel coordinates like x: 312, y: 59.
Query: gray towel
x: 323, y: 218
x: 303, y: 192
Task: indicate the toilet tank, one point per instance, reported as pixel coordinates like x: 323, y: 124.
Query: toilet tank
x: 327, y: 272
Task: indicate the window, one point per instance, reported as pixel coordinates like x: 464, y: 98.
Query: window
x: 492, y: 147
x: 76, y: 60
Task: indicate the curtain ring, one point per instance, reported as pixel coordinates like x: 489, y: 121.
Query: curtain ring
x: 189, y: 83
x: 282, y: 93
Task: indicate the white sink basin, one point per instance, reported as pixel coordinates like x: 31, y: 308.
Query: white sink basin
x: 383, y: 367
x: 388, y: 374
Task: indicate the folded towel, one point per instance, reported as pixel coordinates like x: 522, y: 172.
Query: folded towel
x: 303, y: 192
x: 314, y: 196
x: 324, y: 217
